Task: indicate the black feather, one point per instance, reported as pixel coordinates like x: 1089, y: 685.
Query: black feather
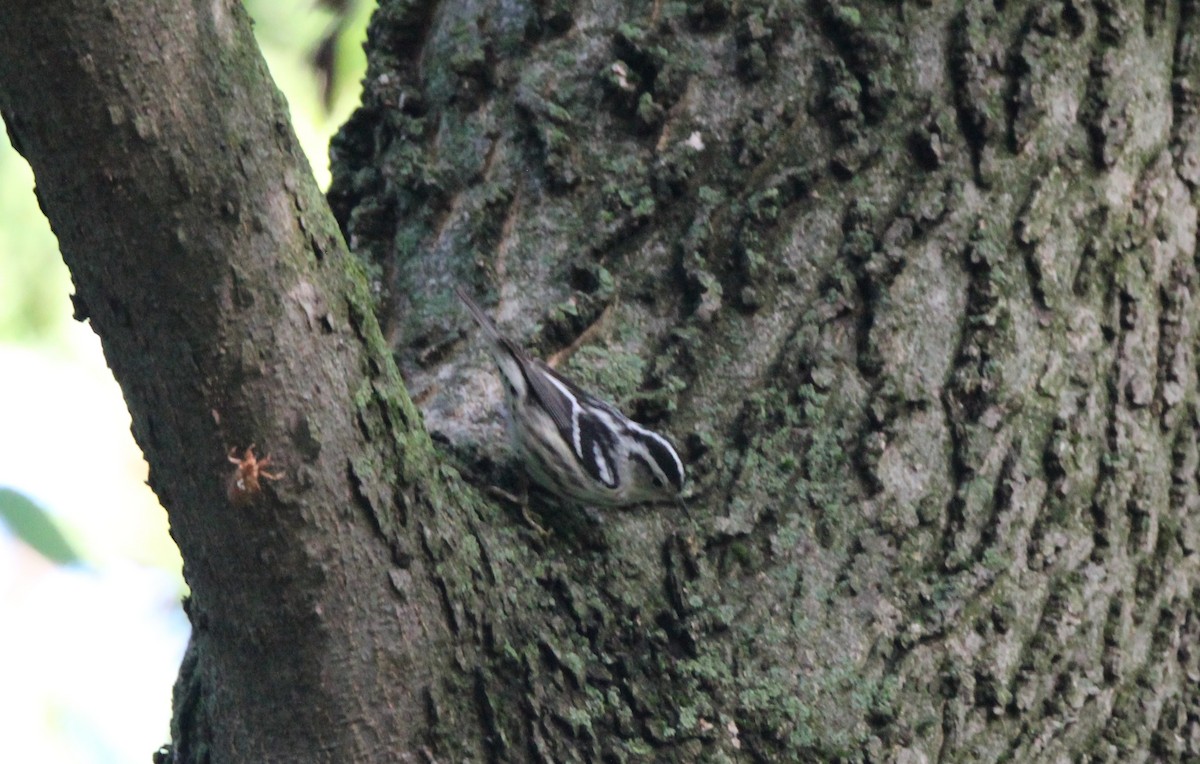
x: 664, y: 456
x: 597, y: 449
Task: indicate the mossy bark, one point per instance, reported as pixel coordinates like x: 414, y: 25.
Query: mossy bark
x: 231, y: 313
x: 910, y: 284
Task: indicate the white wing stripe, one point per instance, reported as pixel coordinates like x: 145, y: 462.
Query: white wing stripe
x: 575, y: 411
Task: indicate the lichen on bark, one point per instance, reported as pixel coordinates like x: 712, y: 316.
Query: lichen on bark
x: 916, y: 279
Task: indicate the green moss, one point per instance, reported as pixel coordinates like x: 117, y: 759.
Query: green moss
x: 710, y: 196
x: 615, y: 375
x: 580, y: 721
x: 638, y: 747
x: 558, y: 113
x: 741, y: 553
x: 849, y: 16
x: 649, y: 113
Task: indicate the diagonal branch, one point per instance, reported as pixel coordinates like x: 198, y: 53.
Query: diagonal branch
x: 231, y: 313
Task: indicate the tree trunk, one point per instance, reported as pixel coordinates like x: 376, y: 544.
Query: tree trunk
x: 909, y: 284
x: 231, y: 314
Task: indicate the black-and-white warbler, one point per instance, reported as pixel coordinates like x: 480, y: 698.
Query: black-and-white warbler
x: 573, y: 445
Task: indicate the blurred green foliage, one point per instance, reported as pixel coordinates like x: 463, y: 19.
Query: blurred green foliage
x: 315, y: 51
x: 34, y: 283
x: 33, y: 525
x: 69, y: 408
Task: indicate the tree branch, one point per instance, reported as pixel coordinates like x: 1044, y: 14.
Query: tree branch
x: 231, y: 313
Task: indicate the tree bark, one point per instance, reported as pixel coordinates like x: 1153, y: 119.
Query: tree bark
x: 912, y: 283
x: 230, y: 312
x: 909, y: 284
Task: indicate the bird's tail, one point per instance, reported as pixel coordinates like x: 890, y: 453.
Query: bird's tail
x: 477, y: 313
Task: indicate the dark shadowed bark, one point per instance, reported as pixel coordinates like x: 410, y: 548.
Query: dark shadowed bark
x: 910, y: 284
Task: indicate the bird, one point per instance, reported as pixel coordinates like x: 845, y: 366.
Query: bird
x: 571, y: 443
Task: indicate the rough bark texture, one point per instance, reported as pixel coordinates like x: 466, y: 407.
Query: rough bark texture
x: 230, y: 312
x: 910, y: 284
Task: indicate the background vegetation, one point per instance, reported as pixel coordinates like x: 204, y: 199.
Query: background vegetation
x: 90, y: 580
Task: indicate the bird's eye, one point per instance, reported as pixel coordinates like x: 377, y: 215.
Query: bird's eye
x: 657, y: 483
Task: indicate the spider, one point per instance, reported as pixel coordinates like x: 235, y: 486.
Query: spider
x: 243, y: 484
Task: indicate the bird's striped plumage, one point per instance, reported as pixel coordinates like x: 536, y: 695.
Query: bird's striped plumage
x: 573, y: 444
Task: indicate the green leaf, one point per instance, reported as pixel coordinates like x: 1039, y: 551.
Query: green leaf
x: 31, y: 524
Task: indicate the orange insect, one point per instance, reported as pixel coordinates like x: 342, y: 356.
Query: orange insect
x: 243, y: 486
